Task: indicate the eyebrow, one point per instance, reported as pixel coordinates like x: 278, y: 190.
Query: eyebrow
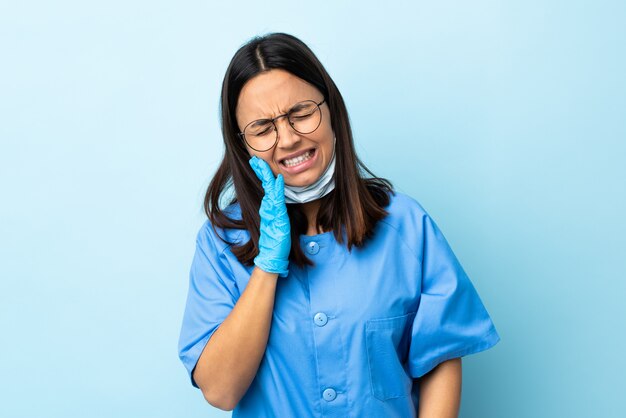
x: 295, y: 106
x: 257, y: 122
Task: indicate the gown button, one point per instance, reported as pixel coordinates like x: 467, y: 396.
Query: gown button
x: 329, y: 394
x: 313, y: 247
x: 320, y: 319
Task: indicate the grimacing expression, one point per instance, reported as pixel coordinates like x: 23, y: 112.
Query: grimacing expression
x: 273, y: 93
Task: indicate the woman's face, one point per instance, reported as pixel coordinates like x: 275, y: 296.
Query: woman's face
x: 274, y: 93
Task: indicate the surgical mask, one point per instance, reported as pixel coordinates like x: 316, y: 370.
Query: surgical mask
x: 320, y: 188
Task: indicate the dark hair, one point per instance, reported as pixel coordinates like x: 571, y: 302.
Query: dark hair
x: 356, y: 203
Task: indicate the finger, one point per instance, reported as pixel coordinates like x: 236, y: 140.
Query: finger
x: 254, y: 163
x: 279, y: 189
x: 255, y: 166
x: 265, y: 172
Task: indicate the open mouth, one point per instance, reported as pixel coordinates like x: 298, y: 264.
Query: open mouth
x: 293, y: 162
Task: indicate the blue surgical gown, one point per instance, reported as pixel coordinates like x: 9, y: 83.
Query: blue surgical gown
x: 348, y: 335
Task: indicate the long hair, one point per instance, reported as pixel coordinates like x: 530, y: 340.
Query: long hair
x: 356, y: 203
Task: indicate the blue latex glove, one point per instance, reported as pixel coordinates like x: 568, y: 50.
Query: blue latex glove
x: 275, y: 238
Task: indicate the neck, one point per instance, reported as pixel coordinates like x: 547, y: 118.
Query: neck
x: 310, y: 210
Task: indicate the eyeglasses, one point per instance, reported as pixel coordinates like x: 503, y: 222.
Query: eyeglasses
x: 304, y: 117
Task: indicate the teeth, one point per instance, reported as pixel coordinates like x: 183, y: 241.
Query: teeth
x: 300, y: 159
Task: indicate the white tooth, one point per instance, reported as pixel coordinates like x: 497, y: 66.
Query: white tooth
x: 297, y: 160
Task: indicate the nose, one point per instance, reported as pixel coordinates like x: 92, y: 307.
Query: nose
x: 287, y: 136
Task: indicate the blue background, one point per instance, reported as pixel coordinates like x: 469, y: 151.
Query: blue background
x: 505, y: 119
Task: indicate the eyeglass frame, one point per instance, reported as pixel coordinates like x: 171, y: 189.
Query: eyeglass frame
x: 273, y: 120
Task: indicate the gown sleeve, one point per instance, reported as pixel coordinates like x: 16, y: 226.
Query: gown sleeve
x: 451, y: 320
x: 211, y: 296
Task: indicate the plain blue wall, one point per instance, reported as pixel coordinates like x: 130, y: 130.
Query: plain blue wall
x: 504, y: 119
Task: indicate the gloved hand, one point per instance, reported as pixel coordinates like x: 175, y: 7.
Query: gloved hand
x: 275, y: 238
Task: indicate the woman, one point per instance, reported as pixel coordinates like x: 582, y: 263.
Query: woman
x: 318, y: 291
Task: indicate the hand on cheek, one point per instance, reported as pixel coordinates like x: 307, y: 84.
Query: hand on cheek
x: 269, y: 162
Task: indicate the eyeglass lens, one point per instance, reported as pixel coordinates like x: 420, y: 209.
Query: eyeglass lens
x: 304, y: 118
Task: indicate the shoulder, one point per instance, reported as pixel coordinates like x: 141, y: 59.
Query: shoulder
x: 404, y: 209
x: 217, y: 238
x: 407, y: 222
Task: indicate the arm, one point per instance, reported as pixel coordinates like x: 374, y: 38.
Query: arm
x: 231, y: 358
x: 233, y: 354
x: 440, y: 390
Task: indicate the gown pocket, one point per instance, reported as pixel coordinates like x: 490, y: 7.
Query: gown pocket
x: 387, y: 341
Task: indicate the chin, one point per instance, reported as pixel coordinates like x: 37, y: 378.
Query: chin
x: 296, y: 184
x: 301, y: 182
